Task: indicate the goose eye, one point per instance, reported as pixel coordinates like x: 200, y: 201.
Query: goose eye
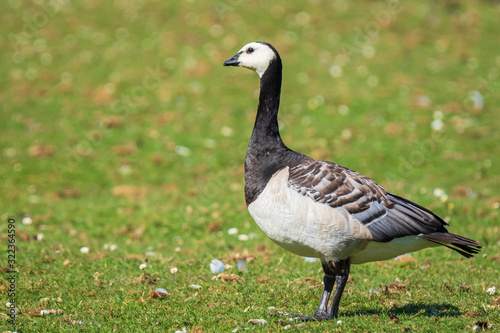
x: 250, y: 50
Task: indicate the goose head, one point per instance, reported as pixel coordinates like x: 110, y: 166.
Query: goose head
x: 256, y: 56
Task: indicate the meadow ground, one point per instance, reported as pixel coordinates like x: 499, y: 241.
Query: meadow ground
x: 121, y: 132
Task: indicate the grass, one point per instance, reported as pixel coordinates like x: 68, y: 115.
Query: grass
x: 121, y: 127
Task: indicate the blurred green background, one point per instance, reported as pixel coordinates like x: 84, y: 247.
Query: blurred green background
x: 119, y: 126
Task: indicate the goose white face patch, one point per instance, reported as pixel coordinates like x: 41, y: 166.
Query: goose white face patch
x: 256, y: 56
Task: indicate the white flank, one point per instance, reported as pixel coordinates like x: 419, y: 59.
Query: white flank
x: 310, y: 229
x: 303, y: 226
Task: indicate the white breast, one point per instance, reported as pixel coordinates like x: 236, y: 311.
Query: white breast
x: 303, y: 226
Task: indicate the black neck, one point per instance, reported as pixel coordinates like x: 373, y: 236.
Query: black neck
x: 266, y: 152
x: 266, y: 131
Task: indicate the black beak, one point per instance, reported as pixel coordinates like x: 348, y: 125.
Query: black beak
x: 233, y: 61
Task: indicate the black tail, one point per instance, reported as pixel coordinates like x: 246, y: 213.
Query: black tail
x: 465, y: 246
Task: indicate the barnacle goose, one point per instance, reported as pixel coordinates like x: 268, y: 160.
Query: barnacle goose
x: 321, y: 209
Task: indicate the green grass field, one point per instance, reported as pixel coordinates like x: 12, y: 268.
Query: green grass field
x: 122, y: 132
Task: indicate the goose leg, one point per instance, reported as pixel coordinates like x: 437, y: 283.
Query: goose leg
x: 329, y: 281
x: 341, y: 270
x: 337, y: 271
x: 322, y: 310
x: 333, y: 310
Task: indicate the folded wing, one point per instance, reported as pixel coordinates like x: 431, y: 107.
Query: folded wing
x: 386, y: 216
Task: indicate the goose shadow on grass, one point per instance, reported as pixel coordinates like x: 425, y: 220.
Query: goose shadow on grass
x: 413, y: 309
x: 407, y: 311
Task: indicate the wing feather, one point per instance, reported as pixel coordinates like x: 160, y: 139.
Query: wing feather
x: 387, y: 216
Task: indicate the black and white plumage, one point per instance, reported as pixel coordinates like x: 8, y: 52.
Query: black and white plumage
x: 321, y: 209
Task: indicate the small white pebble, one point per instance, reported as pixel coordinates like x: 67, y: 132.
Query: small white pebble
x: 216, y: 266
x: 173, y: 270
x: 310, y: 259
x: 183, y: 151
x: 233, y: 231
x: 142, y: 266
x: 84, y: 250
x: 243, y: 238
x: 477, y: 100
x: 339, y: 322
x: 491, y: 290
x: 27, y: 220
x: 161, y: 291
x: 242, y: 266
x: 438, y: 192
